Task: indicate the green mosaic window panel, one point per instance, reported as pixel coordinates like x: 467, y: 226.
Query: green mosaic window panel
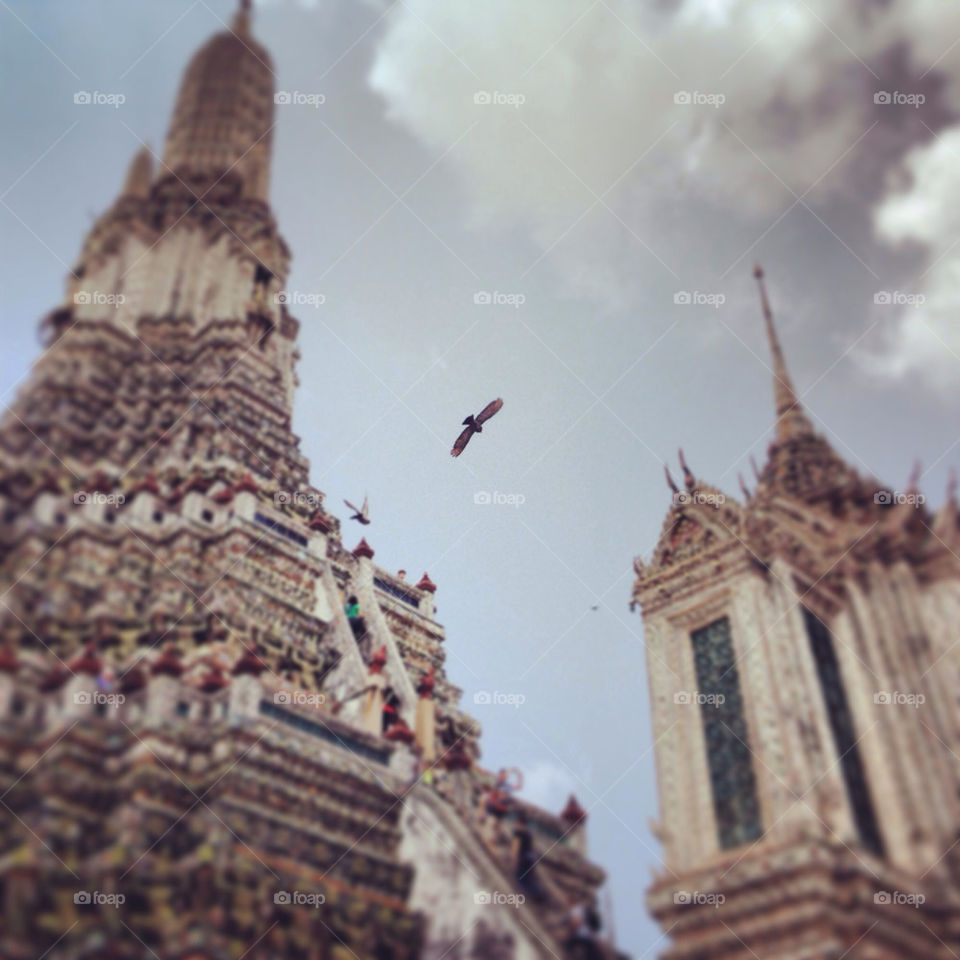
x: 732, y: 779
x: 844, y: 732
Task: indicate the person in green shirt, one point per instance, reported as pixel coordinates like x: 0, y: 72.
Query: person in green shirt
x: 358, y: 625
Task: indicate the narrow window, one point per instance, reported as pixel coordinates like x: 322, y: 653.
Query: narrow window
x: 732, y: 779
x: 844, y: 733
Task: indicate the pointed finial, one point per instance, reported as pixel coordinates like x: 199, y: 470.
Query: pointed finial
x: 754, y: 467
x: 791, y: 420
x: 573, y: 813
x: 241, y: 19
x: 139, y: 174
x: 688, y: 477
x: 743, y: 487
x: 670, y: 483
x: 914, y: 482
x: 363, y: 549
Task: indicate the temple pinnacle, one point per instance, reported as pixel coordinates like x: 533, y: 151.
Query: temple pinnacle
x: 791, y: 419
x: 241, y: 19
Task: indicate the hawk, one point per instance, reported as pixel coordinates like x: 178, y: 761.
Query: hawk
x: 474, y: 424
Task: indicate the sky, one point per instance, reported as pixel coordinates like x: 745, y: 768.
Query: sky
x: 556, y: 202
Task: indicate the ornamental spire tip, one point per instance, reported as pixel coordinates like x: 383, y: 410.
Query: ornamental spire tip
x: 241, y: 19
x: 670, y: 481
x: 791, y: 419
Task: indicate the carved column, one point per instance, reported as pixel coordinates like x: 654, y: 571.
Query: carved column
x: 426, y: 718
x: 373, y: 696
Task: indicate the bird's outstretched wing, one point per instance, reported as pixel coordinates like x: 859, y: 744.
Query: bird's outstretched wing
x: 489, y: 410
x: 352, y: 507
x: 462, y: 441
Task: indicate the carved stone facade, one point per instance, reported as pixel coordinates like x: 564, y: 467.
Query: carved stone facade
x: 802, y: 654
x: 201, y: 754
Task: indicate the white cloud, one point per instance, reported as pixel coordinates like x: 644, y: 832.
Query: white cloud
x: 926, y: 336
x: 548, y: 785
x: 599, y: 118
x: 599, y: 112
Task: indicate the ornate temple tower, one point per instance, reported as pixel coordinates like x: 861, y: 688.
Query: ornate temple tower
x: 162, y: 405
x: 801, y: 646
x: 200, y: 754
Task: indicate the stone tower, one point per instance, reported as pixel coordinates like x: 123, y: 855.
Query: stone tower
x: 201, y: 754
x: 801, y: 645
x: 162, y: 406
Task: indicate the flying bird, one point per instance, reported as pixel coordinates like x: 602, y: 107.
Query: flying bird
x: 474, y: 424
x: 360, y: 513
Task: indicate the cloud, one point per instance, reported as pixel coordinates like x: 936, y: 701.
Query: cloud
x: 734, y: 104
x: 548, y: 785
x: 684, y: 130
x: 926, y: 211
x: 603, y: 131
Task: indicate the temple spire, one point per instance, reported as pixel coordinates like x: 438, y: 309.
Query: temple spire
x: 792, y: 421
x: 139, y: 174
x: 241, y: 19
x: 670, y: 481
x: 221, y: 130
x: 913, y: 483
x: 688, y: 477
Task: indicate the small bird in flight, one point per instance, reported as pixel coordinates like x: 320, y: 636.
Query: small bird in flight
x: 474, y: 424
x: 360, y: 513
